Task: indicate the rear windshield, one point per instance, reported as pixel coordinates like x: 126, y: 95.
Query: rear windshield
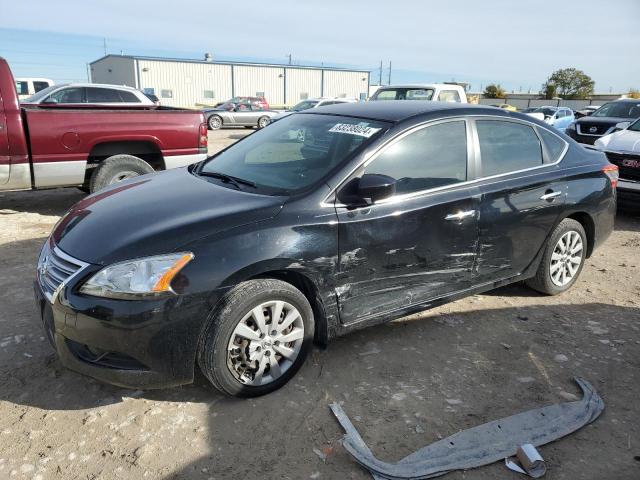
x: 293, y: 153
x: 618, y: 109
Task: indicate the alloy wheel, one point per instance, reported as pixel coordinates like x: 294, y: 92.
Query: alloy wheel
x: 265, y: 343
x: 566, y: 258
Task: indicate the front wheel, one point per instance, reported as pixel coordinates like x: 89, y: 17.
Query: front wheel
x: 563, y: 259
x: 257, y: 338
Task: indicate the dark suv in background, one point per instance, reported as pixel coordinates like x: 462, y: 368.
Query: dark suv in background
x: 603, y: 121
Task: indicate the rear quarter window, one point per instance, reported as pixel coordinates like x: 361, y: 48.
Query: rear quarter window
x: 555, y: 145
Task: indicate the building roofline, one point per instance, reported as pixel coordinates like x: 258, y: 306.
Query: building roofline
x: 249, y: 64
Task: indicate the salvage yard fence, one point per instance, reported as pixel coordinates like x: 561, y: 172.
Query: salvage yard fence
x: 522, y: 103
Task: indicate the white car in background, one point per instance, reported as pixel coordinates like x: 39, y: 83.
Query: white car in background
x: 89, y: 93
x: 312, y: 103
x: 622, y: 148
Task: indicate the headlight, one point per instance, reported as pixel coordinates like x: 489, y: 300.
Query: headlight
x: 572, y: 126
x: 135, y: 278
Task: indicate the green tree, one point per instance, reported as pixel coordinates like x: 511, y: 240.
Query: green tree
x: 569, y: 83
x: 494, y: 91
x: 549, y: 91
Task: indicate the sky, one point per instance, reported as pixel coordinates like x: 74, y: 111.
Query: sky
x: 517, y: 43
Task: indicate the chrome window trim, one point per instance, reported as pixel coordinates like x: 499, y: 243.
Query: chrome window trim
x: 473, y: 157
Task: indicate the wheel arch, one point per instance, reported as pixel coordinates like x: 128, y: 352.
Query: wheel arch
x: 587, y: 222
x: 146, y: 150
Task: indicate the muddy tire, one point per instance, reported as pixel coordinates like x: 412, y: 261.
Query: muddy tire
x: 257, y: 338
x: 116, y: 169
x: 563, y: 259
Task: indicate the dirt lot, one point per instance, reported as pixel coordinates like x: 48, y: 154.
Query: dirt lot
x: 404, y: 384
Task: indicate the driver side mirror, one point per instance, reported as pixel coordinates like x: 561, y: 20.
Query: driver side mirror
x: 375, y: 187
x: 622, y: 125
x: 50, y: 101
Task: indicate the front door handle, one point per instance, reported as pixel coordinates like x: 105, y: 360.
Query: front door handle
x: 550, y: 195
x: 460, y: 215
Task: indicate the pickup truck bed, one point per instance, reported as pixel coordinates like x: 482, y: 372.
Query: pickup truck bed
x: 68, y: 145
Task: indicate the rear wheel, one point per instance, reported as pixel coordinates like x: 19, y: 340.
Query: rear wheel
x: 116, y: 169
x: 257, y: 339
x: 263, y: 121
x: 563, y: 259
x: 215, y: 122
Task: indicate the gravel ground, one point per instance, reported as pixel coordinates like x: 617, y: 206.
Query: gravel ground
x: 404, y: 384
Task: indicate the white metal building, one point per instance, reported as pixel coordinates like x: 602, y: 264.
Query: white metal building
x: 187, y: 83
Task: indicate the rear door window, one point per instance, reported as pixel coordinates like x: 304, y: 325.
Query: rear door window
x: 555, y: 145
x: 507, y: 147
x: 22, y: 87
x: 37, y: 86
x: 103, y: 95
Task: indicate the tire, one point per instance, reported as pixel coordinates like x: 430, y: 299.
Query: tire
x: 249, y: 126
x: 116, y: 169
x: 215, y: 122
x: 554, y: 258
x: 263, y: 122
x: 228, y: 364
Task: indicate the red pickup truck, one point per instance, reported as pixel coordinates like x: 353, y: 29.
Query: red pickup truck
x: 89, y: 146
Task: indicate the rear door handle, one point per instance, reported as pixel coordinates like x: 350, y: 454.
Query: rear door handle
x: 550, y: 195
x: 460, y: 215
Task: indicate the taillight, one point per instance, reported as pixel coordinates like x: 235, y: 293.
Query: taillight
x: 204, y: 139
x: 611, y: 171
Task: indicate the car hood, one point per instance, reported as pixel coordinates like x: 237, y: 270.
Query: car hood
x: 156, y: 214
x: 602, y: 120
x: 622, y: 141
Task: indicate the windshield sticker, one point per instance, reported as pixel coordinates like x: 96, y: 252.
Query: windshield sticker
x: 348, y: 128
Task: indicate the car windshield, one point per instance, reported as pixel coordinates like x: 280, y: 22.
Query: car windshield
x: 404, y: 94
x: 635, y: 126
x: 547, y: 111
x: 293, y: 153
x: 618, y: 109
x: 41, y: 94
x: 304, y: 105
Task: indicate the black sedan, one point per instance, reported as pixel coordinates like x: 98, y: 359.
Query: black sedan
x: 327, y: 221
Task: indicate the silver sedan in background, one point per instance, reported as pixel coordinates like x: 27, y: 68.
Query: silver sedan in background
x: 246, y: 115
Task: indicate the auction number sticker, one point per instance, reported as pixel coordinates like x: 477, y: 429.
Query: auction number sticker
x: 350, y: 129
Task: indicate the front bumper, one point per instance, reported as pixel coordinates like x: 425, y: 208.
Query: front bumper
x: 134, y: 344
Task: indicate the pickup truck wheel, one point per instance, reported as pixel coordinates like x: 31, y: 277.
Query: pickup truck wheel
x: 263, y: 121
x: 116, y: 169
x: 257, y: 338
x: 562, y: 260
x: 215, y: 122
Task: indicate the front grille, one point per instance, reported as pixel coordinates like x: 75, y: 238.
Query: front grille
x: 55, y: 269
x: 628, y: 165
x: 585, y: 128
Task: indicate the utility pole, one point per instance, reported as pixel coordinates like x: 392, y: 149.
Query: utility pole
x: 104, y: 44
x: 289, y: 59
x: 380, y: 80
x: 389, y: 72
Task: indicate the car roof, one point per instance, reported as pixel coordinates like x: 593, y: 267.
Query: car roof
x: 98, y: 85
x: 419, y: 85
x: 398, y: 110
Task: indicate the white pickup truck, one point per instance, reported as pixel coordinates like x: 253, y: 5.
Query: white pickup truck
x: 441, y: 92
